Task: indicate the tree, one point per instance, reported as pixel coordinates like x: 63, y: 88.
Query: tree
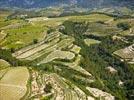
x: 124, y: 26
x: 50, y: 30
x: 35, y: 41
x: 12, y: 50
x: 48, y: 88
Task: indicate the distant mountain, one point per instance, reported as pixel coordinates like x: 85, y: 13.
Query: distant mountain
x: 81, y: 3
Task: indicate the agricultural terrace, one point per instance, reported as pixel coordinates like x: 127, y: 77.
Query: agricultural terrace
x: 51, y: 43
x: 126, y: 53
x: 45, y: 85
x: 76, y: 49
x: 89, y: 42
x: 100, y: 94
x: 62, y: 91
x: 58, y: 54
x: 100, y: 29
x: 54, y: 47
x: 129, y: 21
x: 75, y: 65
x: 14, y: 83
x: 41, y: 44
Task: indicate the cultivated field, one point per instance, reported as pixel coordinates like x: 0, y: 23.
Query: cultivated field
x: 75, y: 65
x: 126, y: 53
x: 50, y: 44
x: 36, y: 48
x: 13, y: 83
x: 58, y: 55
x: 100, y: 94
x: 76, y: 49
x: 89, y: 42
x: 99, y: 29
x: 62, y: 91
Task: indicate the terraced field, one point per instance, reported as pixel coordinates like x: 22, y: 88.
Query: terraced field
x: 62, y: 90
x: 75, y: 65
x: 40, y: 49
x: 101, y: 94
x: 51, y: 49
x: 126, y: 54
x: 101, y: 29
x: 58, y: 68
x: 91, y: 41
x: 58, y: 55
